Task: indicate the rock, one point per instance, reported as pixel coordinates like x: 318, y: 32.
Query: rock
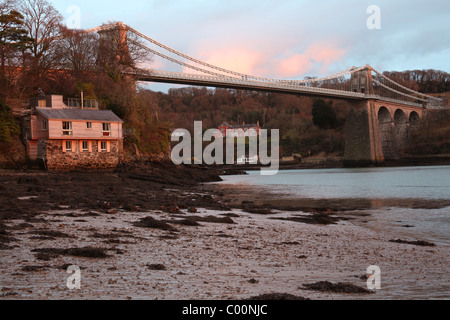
x: 325, y: 286
x: 156, y: 267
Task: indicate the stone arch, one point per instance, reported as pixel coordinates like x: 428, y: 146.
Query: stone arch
x: 414, y: 120
x: 388, y: 140
x: 401, y: 128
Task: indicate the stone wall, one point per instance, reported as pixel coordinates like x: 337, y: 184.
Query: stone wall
x: 376, y: 131
x: 42, y: 149
x: 58, y: 160
x: 362, y: 143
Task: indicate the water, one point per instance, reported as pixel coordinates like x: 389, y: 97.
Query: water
x: 407, y: 201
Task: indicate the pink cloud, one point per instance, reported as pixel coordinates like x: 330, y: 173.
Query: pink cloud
x: 264, y: 61
x: 237, y: 59
x: 294, y: 65
x: 317, y: 54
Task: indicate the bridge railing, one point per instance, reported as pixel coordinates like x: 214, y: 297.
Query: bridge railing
x: 285, y: 85
x: 249, y: 83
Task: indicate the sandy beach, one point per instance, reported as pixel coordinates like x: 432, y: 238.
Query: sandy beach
x: 188, y: 243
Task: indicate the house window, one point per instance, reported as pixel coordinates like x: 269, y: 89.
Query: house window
x: 42, y: 103
x: 85, y: 146
x: 106, y: 129
x: 67, y: 128
x: 104, y: 146
x: 44, y: 125
x: 88, y: 125
x: 69, y: 146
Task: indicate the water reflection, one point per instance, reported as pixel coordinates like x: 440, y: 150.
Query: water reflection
x: 408, y: 201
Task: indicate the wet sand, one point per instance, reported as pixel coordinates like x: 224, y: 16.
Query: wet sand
x: 136, y: 235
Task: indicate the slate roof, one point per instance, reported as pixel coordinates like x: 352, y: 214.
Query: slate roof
x: 79, y: 114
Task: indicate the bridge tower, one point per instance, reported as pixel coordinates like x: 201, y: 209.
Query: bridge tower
x: 361, y: 81
x: 114, y: 46
x: 363, y: 145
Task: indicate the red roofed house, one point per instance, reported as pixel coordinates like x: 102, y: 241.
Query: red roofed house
x: 73, y: 138
x: 239, y: 130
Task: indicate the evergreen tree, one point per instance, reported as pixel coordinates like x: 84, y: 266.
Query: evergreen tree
x: 14, y: 40
x: 8, y: 125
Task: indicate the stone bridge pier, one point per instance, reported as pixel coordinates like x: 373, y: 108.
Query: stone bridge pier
x: 377, y: 130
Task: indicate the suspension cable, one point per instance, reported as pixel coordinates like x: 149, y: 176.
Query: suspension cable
x: 403, y: 87
x: 176, y: 61
x: 398, y: 92
x: 245, y: 76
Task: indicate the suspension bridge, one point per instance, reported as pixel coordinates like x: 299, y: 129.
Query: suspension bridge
x: 356, y: 83
x: 381, y: 112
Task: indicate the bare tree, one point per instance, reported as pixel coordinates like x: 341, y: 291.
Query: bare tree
x: 43, y: 23
x: 78, y: 51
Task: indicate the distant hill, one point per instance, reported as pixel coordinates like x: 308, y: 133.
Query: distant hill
x: 425, y: 81
x: 445, y: 95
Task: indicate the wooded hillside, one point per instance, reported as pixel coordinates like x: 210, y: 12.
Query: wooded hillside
x: 39, y: 55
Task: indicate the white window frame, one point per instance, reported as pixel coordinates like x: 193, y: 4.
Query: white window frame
x: 105, y: 143
x: 69, y: 146
x: 106, y: 126
x: 87, y: 146
x: 67, y: 131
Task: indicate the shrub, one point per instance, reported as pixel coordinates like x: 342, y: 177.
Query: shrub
x: 8, y: 125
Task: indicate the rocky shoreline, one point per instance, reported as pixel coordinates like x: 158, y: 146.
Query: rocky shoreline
x: 157, y: 232
x: 338, y: 162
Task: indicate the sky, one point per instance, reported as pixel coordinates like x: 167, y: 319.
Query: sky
x: 284, y: 39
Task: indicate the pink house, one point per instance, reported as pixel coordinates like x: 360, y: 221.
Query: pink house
x: 69, y: 138
x: 239, y: 130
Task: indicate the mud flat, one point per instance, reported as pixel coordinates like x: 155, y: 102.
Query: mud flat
x: 244, y: 256
x: 134, y: 236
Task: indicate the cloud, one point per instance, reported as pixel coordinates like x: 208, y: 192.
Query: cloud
x: 295, y: 65
x: 316, y: 58
x: 288, y: 38
x: 236, y: 59
x: 273, y: 59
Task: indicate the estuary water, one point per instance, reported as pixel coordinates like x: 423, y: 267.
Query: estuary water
x: 411, y: 202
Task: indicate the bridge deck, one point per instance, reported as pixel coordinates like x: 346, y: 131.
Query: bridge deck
x: 276, y: 87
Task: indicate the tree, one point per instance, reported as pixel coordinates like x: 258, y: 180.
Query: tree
x: 323, y: 114
x: 425, y: 81
x: 8, y: 125
x: 13, y: 41
x: 78, y: 51
x: 44, y: 25
x: 120, y: 50
x: 12, y: 34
